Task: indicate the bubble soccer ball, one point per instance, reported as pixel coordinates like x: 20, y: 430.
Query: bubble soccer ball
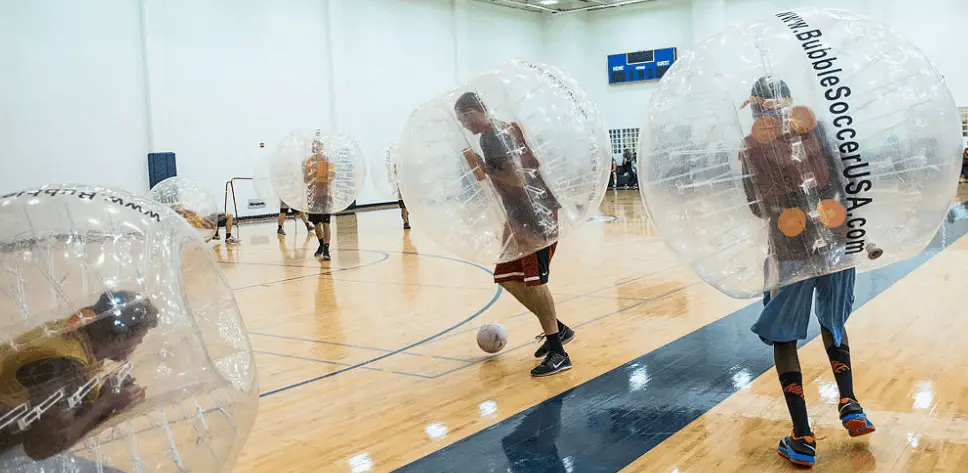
x: 317, y: 173
x: 506, y: 164
x: 191, y: 201
x: 798, y: 145
x: 383, y: 173
x: 116, y: 305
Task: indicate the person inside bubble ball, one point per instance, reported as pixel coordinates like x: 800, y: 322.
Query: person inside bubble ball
x: 225, y: 220
x: 790, y: 172
x: 285, y: 211
x: 319, y: 173
x: 210, y: 222
x: 57, y: 369
x: 529, y: 205
x: 404, y: 213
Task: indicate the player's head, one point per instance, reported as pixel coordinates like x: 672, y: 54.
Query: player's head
x: 769, y: 96
x: 123, y: 318
x: 472, y: 113
x: 317, y: 145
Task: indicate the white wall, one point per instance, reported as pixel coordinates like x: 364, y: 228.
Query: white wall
x: 72, y: 105
x: 662, y: 24
x: 223, y: 76
x: 226, y: 77
x: 496, y: 34
x: 580, y: 42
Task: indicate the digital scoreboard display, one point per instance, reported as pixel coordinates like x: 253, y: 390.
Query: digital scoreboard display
x: 640, y: 66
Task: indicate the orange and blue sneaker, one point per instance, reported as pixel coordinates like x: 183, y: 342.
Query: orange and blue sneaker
x: 854, y: 419
x: 799, y: 450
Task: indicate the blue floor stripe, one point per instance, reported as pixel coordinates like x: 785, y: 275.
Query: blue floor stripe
x: 610, y: 421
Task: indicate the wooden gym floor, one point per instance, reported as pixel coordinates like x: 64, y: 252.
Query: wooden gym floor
x: 368, y: 363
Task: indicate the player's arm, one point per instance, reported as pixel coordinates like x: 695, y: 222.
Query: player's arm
x: 506, y: 171
x: 831, y: 156
x: 527, y: 156
x: 330, y: 169
x: 750, y: 189
x: 60, y: 427
x: 475, y: 163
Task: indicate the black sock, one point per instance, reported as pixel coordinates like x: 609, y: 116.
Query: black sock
x: 840, y: 364
x: 554, y: 343
x: 321, y: 242
x: 228, y: 235
x: 792, y: 383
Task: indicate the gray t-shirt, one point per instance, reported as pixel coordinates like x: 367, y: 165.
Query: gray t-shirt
x: 515, y: 175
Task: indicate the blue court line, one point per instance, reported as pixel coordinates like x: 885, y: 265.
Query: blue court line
x: 322, y: 342
x: 587, y: 322
x: 497, y: 295
x: 303, y: 358
x: 347, y: 345
x: 328, y: 272
x: 607, y: 423
x: 317, y: 360
x: 567, y: 298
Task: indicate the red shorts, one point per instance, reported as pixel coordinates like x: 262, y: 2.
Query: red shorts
x: 532, y: 270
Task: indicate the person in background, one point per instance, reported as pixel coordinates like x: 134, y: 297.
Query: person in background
x: 225, y: 220
x: 319, y: 173
x: 613, y: 184
x: 285, y: 211
x: 526, y: 278
x: 404, y: 213
x: 777, y: 191
x: 628, y: 169
x: 964, y: 165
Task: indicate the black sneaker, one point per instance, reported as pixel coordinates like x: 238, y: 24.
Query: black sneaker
x: 406, y: 226
x: 326, y: 256
x: 566, y: 335
x: 319, y: 252
x: 554, y: 363
x: 799, y: 450
x: 216, y: 237
x: 854, y: 419
x: 280, y: 231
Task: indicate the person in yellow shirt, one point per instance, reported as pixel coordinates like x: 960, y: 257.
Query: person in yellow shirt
x: 211, y: 222
x: 51, y: 389
x: 319, y: 172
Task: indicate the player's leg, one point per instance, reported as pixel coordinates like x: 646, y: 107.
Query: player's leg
x: 784, y: 320
x: 538, y: 300
x: 835, y: 300
x: 526, y: 279
x: 305, y: 220
x: 283, y: 212
x: 404, y: 214
x: 321, y: 223
x: 229, y: 222
x: 800, y: 447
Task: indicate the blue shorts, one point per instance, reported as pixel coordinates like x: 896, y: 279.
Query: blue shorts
x: 786, y: 316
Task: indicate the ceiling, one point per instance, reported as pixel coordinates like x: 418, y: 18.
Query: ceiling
x: 562, y: 6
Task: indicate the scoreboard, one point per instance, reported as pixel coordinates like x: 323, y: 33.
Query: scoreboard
x: 639, y: 66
